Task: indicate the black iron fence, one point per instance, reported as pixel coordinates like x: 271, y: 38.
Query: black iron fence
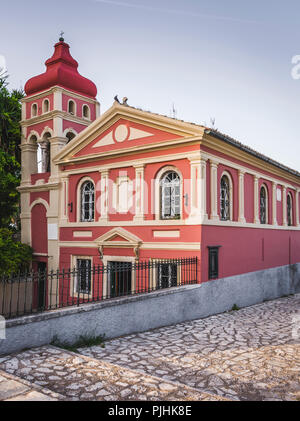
x: 35, y: 292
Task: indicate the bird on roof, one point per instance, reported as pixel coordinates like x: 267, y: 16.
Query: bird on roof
x: 116, y: 99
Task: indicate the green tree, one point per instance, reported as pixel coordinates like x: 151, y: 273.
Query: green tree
x: 10, y: 116
x: 14, y: 256
x: 9, y: 196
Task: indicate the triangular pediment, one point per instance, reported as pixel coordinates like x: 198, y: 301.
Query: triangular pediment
x: 118, y: 237
x: 124, y: 128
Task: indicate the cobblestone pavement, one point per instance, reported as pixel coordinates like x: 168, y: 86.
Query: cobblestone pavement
x: 82, y: 378
x: 13, y: 388
x: 250, y: 354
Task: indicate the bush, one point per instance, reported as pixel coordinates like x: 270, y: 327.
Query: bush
x: 14, y: 256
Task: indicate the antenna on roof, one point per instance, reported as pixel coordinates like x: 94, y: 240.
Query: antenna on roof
x: 173, y: 111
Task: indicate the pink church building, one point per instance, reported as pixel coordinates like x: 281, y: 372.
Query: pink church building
x: 128, y: 185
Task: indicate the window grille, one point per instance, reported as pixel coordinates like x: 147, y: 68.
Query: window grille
x: 225, y: 199
x: 263, y: 206
x: 167, y: 275
x: 87, y: 202
x: 170, y: 196
x: 83, y: 284
x: 213, y: 262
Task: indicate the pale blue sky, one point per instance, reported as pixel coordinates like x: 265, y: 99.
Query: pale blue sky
x: 230, y: 60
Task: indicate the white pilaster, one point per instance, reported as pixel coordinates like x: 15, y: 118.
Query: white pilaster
x: 29, y: 161
x: 58, y: 126
x: 104, y: 196
x: 242, y: 196
x: 297, y: 208
x: 214, y: 189
x: 256, y: 201
x: 274, y: 203
x: 139, y: 193
x: 198, y: 190
x: 56, y: 144
x: 57, y: 101
x: 284, y: 209
x: 64, y: 193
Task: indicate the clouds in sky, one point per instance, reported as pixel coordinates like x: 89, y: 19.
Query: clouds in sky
x: 174, y: 11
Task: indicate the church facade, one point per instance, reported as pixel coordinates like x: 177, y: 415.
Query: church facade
x: 129, y: 185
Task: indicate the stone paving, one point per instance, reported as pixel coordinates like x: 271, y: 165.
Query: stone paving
x: 82, y: 378
x: 250, y: 354
x: 13, y: 388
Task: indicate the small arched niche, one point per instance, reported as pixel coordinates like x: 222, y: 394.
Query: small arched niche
x: 46, y: 106
x: 86, y: 112
x: 34, y: 110
x: 71, y: 107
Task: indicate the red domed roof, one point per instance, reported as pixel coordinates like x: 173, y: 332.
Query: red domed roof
x: 61, y: 71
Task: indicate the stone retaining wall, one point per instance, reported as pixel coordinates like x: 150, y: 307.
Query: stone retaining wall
x: 139, y: 313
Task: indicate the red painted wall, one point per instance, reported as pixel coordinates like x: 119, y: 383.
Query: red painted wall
x: 39, y: 128
x: 39, y: 103
x: 79, y: 104
x: 158, y: 136
x: 39, y: 233
x: 39, y: 195
x: 246, y: 250
x: 249, y: 198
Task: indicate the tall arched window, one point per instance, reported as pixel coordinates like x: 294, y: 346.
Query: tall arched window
x: 87, y: 202
x: 263, y: 205
x: 225, y: 199
x: 289, y: 204
x: 46, y: 153
x: 170, y: 195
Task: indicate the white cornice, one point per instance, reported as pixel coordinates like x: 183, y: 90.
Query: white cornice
x: 130, y: 163
x: 122, y: 152
x: 58, y: 89
x: 52, y: 114
x: 39, y: 187
x: 245, y: 169
x: 98, y: 126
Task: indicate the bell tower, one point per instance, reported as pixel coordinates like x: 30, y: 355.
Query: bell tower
x: 58, y: 105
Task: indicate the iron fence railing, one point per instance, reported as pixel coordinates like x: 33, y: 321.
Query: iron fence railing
x: 35, y: 292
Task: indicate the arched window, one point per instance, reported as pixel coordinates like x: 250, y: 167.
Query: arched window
x: 87, y: 202
x: 86, y: 111
x: 225, y: 199
x: 46, y: 106
x: 263, y: 205
x: 170, y: 195
x: 70, y: 136
x: 289, y: 204
x: 46, y: 153
x: 34, y: 110
x: 71, y: 107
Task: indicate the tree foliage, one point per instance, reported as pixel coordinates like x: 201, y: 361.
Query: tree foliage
x: 10, y: 116
x: 14, y: 256
x: 9, y: 196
